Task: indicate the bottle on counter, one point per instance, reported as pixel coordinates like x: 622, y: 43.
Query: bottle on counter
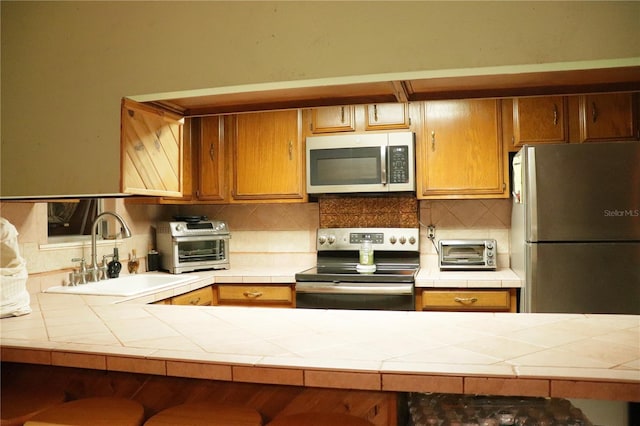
x: 366, y: 253
x: 134, y: 262
x: 114, y: 267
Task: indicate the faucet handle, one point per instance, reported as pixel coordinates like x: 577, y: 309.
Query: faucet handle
x: 83, y: 265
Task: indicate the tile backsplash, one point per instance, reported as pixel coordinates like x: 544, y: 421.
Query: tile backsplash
x: 474, y: 219
x: 368, y: 212
x: 267, y: 234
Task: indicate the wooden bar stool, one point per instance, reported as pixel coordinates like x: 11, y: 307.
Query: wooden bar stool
x: 206, y: 414
x: 101, y: 411
x: 319, y: 419
x: 19, y: 404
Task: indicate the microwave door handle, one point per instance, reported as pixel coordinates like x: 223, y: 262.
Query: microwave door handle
x: 383, y: 164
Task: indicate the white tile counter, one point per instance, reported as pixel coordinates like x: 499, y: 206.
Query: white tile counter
x: 501, y: 278
x: 574, y: 356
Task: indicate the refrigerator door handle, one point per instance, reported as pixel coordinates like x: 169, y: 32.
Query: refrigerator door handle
x: 530, y: 187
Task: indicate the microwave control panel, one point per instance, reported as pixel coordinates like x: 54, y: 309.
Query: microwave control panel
x: 399, y: 164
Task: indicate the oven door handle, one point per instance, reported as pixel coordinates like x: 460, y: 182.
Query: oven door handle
x: 353, y: 288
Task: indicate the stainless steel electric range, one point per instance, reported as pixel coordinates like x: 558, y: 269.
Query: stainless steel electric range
x: 336, y: 283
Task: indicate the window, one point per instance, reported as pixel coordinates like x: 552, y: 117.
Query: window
x: 72, y: 218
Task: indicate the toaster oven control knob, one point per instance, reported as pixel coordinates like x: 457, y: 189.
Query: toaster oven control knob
x: 489, y: 253
x: 490, y: 245
x: 393, y: 239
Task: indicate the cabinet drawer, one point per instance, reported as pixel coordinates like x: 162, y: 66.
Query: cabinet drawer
x: 254, y: 294
x: 468, y: 300
x: 200, y: 297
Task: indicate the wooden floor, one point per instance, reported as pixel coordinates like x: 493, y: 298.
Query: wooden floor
x: 156, y: 393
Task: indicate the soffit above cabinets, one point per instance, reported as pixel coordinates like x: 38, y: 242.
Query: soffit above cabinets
x: 408, y: 87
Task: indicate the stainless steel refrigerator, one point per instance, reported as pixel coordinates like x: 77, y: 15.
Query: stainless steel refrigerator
x: 575, y: 227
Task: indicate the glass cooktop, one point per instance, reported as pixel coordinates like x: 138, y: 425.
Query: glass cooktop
x: 348, y: 273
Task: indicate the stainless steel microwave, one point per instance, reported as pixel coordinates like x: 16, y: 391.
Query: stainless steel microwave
x: 371, y: 162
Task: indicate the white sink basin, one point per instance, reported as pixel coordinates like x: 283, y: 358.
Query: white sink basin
x: 126, y: 285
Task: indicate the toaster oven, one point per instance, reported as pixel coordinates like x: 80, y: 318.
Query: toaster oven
x: 467, y: 254
x: 193, y: 245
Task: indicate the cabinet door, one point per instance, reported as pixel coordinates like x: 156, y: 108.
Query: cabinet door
x: 387, y: 116
x: 468, y: 300
x: 200, y: 297
x: 268, y: 157
x: 460, y: 153
x: 151, y: 150
x: 255, y: 295
x: 211, y: 179
x: 333, y: 119
x: 608, y: 117
x: 540, y: 120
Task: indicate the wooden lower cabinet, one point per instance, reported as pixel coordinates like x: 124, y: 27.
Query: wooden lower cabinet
x: 265, y: 295
x: 498, y: 300
x: 200, y: 297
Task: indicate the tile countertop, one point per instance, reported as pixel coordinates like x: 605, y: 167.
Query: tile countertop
x: 558, y: 355
x: 502, y: 278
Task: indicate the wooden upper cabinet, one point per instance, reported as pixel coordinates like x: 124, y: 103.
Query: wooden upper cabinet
x: 212, y: 182
x: 333, y: 119
x: 151, y: 150
x: 460, y: 153
x: 608, y: 117
x: 267, y: 157
x: 540, y: 120
x: 387, y: 116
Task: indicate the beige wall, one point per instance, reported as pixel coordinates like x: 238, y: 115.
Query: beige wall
x: 66, y: 65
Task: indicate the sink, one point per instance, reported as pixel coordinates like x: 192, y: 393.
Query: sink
x: 126, y: 285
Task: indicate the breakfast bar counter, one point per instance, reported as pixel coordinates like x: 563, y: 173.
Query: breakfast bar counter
x: 546, y: 355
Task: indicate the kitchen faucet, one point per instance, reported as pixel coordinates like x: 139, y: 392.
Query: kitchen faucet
x: 94, y: 269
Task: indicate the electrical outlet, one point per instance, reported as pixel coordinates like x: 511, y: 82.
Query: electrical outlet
x: 431, y: 232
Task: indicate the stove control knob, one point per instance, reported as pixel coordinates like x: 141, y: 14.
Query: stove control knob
x: 393, y: 239
x: 322, y: 239
x: 331, y: 239
x: 412, y: 240
x: 403, y: 239
x: 180, y: 227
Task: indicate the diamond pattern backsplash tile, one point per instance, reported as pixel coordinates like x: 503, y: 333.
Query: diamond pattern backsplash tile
x: 368, y: 212
x: 466, y: 214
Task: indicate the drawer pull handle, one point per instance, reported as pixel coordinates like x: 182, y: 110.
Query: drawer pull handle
x: 252, y: 294
x: 194, y: 301
x: 466, y: 300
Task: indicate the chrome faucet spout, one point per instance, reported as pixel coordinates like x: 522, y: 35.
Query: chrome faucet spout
x: 126, y: 233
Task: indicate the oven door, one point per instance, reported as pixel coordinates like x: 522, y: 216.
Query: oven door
x: 195, y: 252
x: 358, y: 296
